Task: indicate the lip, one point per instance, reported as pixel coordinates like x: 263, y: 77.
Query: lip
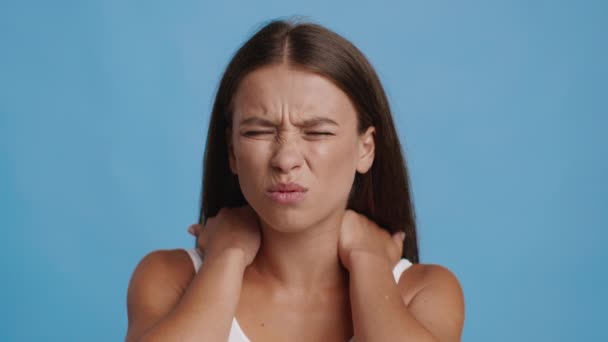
x: 287, y: 187
x: 287, y: 193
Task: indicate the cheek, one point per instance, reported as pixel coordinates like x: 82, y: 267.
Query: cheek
x: 251, y: 158
x: 335, y: 166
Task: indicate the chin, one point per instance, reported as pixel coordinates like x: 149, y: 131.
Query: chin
x: 286, y: 220
x: 293, y: 218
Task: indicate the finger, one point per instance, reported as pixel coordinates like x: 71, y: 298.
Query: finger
x: 399, y: 237
x: 195, y: 229
x: 192, y: 230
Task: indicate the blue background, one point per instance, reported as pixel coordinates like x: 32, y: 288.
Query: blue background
x: 500, y: 105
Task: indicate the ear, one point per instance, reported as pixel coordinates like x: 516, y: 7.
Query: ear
x: 231, y: 157
x: 367, y: 147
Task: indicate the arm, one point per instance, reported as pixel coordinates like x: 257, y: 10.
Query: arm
x: 167, y: 303
x: 203, y: 313
x: 436, y: 309
x: 436, y: 312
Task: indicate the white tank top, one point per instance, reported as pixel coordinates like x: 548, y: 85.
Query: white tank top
x: 236, y: 333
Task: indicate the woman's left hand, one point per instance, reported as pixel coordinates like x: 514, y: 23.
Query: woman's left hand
x: 196, y: 230
x: 358, y: 234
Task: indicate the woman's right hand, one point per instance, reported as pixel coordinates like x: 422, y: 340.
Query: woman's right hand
x: 231, y: 229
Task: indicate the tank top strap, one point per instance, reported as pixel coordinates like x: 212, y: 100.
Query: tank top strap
x: 195, y: 256
x: 401, y: 266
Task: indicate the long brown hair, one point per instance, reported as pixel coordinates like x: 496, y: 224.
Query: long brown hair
x: 383, y: 193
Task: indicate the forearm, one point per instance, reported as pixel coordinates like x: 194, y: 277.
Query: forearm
x: 206, y: 309
x: 379, y: 313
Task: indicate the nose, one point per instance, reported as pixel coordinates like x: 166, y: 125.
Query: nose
x: 287, y: 156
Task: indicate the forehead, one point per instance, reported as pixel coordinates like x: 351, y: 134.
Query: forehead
x: 280, y: 90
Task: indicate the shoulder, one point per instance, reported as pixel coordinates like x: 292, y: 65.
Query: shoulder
x: 429, y: 277
x: 433, y: 294
x: 167, y: 264
x: 165, y: 267
x: 158, y: 282
x: 418, y: 276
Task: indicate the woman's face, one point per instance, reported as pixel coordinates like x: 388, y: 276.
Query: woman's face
x: 294, y: 126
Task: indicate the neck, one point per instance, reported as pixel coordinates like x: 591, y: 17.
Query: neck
x: 306, y: 260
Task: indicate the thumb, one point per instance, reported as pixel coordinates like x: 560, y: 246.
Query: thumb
x: 194, y: 229
x: 398, y: 238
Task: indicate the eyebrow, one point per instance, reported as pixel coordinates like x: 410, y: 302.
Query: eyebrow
x: 317, y: 120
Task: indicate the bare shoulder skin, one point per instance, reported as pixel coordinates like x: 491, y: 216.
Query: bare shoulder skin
x: 157, y: 284
x: 431, y: 293
x: 435, y: 297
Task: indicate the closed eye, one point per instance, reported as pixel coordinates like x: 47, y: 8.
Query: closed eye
x: 319, y: 133
x: 254, y: 133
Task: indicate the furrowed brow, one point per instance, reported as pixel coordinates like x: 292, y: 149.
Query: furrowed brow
x: 317, y: 121
x: 256, y: 120
x: 311, y: 122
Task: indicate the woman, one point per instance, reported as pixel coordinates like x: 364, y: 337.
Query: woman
x: 304, y: 184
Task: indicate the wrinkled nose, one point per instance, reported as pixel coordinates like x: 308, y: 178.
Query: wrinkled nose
x: 287, y: 156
